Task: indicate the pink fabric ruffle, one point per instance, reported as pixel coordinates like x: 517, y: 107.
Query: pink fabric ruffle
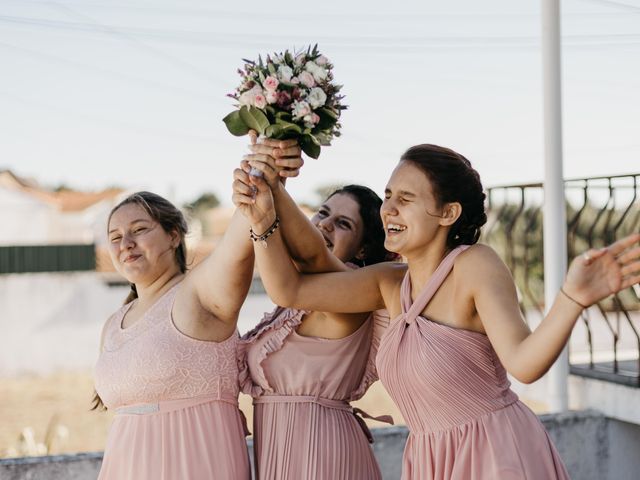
x: 282, y: 321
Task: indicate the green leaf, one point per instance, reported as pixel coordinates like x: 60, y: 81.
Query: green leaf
x: 283, y: 116
x: 235, y: 124
x: 254, y: 118
x: 310, y: 146
x: 273, y: 131
x: 327, y: 119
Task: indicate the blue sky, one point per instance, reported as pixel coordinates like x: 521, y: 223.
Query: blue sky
x: 96, y: 93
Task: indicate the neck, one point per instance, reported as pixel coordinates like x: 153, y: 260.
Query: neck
x: 148, y: 291
x: 423, y: 264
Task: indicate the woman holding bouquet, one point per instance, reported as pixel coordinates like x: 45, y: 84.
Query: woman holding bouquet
x: 304, y: 367
x: 167, y: 365
x: 457, y: 327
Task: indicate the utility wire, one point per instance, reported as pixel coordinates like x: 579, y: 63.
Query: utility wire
x: 111, y: 73
x: 117, y: 32
x: 222, y: 40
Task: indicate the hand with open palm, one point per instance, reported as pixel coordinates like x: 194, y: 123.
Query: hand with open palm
x: 598, y: 273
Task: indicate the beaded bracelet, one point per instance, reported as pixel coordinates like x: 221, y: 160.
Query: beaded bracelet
x: 262, y: 239
x: 573, y: 299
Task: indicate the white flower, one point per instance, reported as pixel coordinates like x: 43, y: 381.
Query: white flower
x: 307, y: 79
x: 284, y: 73
x: 316, y: 97
x: 249, y: 97
x: 300, y: 110
x: 319, y: 73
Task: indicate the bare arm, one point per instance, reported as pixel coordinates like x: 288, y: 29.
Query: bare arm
x: 345, y: 292
x: 304, y: 242
x: 528, y: 355
x: 222, y: 280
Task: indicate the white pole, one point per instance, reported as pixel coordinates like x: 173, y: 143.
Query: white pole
x: 555, y: 222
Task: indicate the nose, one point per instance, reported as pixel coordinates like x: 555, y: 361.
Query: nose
x: 388, y: 207
x: 127, y: 243
x: 326, y: 224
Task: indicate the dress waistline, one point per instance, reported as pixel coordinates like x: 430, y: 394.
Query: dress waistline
x: 341, y: 405
x: 172, y: 405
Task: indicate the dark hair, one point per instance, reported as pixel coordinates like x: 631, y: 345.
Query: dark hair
x: 453, y: 180
x: 168, y: 216
x: 369, y: 204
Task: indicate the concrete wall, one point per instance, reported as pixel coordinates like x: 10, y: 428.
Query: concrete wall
x: 592, y: 446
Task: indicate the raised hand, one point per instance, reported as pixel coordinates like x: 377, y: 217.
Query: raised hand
x: 276, y: 159
x: 598, y: 273
x: 253, y: 197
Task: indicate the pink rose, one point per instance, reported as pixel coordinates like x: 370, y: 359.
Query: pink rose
x: 295, y: 80
x: 315, y: 118
x: 322, y: 60
x: 272, y: 97
x: 270, y: 83
x: 307, y: 79
x: 260, y: 101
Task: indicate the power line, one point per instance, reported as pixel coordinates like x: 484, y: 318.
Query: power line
x: 618, y: 5
x: 223, y: 40
x: 118, y: 32
x: 292, y: 14
x: 115, y: 74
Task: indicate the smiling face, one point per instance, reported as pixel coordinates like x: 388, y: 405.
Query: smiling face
x: 139, y: 247
x: 339, y: 221
x: 411, y: 213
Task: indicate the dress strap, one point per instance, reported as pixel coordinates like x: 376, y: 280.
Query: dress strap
x: 432, y: 286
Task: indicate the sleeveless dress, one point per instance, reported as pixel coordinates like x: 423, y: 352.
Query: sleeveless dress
x: 304, y: 427
x: 464, y: 421
x: 175, y: 400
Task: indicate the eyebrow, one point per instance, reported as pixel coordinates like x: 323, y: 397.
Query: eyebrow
x: 404, y: 193
x: 344, y: 217
x: 138, y: 220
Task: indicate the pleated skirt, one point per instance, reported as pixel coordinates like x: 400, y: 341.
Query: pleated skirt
x: 507, y: 444
x: 204, y: 441
x: 294, y: 441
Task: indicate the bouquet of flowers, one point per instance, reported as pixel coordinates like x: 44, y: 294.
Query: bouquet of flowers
x: 289, y: 96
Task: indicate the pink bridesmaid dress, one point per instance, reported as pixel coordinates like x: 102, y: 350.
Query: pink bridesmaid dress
x: 175, y: 400
x: 464, y: 421
x: 304, y: 427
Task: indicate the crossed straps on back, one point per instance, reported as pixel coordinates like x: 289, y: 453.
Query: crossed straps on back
x: 411, y: 310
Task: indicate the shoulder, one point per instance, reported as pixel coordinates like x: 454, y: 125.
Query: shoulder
x: 478, y: 258
x: 480, y: 263
x: 388, y: 271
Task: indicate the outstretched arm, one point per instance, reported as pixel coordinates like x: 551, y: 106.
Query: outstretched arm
x: 345, y: 292
x: 590, y: 278
x: 222, y: 280
x: 304, y: 242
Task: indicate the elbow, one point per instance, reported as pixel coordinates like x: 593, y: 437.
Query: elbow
x: 281, y: 295
x: 527, y: 376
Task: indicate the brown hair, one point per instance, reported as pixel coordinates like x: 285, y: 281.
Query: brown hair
x: 170, y: 219
x: 453, y: 180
